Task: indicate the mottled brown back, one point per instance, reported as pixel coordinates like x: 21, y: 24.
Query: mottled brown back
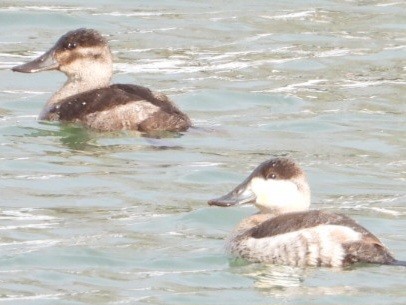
x: 295, y: 221
x: 77, y: 107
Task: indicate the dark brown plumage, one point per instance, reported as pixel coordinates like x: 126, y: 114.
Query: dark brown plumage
x: 278, y: 168
x: 88, y: 98
x: 80, y: 38
x: 294, y: 221
x: 79, y: 106
x: 368, y: 250
x: 286, y: 232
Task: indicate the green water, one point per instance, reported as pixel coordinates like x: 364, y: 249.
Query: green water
x: 90, y: 218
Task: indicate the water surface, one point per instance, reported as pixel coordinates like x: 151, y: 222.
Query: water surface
x: 96, y: 218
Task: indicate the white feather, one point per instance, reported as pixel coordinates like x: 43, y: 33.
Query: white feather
x: 282, y: 195
x: 311, y: 246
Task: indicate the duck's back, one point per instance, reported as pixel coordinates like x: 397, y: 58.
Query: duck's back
x: 312, y: 238
x: 120, y: 107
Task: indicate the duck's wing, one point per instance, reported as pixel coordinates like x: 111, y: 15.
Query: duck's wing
x: 295, y: 221
x: 313, y: 238
x: 97, y: 100
x: 169, y: 117
x: 120, y: 106
x: 158, y: 99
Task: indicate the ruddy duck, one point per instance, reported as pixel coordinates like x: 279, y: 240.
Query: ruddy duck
x: 285, y: 232
x: 87, y: 96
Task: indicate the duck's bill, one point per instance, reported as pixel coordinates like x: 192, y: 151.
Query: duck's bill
x: 44, y: 62
x: 235, y: 197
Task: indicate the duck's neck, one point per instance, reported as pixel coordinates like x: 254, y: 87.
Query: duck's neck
x: 85, y: 77
x: 252, y: 221
x: 79, y: 83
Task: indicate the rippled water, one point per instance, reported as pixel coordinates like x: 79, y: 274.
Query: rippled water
x: 90, y: 218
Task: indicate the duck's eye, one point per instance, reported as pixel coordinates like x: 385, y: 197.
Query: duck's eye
x: 271, y: 176
x: 71, y: 45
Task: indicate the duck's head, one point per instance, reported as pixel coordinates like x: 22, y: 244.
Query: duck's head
x: 275, y: 186
x: 78, y: 52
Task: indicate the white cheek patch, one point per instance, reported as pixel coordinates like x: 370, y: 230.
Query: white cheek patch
x: 90, y: 51
x: 95, y: 59
x: 277, y: 194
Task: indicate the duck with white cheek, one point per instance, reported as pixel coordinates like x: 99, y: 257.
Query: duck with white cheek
x: 285, y: 232
x: 89, y: 99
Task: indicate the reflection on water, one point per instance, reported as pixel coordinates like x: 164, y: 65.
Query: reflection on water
x: 273, y: 277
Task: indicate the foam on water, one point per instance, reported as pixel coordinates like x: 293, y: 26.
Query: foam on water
x: 296, y: 15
